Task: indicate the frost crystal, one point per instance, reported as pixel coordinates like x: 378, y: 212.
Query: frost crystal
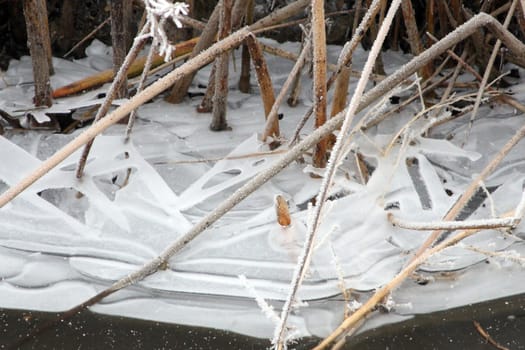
x: 158, y: 12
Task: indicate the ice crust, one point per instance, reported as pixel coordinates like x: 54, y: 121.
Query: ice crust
x: 54, y: 241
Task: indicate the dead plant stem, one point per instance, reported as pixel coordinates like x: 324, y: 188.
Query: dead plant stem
x: 265, y: 82
x: 453, y: 225
x: 314, y: 221
x: 490, y: 64
x: 318, y: 33
x: 113, y: 91
x: 181, y: 86
x: 152, y: 91
x: 384, y: 291
x: 220, y: 94
x: 142, y: 83
x: 204, y: 58
x: 272, y: 116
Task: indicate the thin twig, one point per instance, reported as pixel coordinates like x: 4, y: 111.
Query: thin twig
x: 142, y: 83
x: 181, y: 86
x: 138, y: 43
x: 272, y: 116
x: 382, y: 292
x: 344, y: 59
x: 204, y: 58
x: 153, y: 90
x: 488, y: 69
x: 220, y: 93
x: 89, y: 36
x: 487, y: 336
x: 314, y: 220
x: 453, y: 225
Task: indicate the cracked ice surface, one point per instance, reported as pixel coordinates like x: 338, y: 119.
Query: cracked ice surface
x: 64, y: 239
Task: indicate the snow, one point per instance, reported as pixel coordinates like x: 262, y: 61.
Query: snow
x: 57, y: 249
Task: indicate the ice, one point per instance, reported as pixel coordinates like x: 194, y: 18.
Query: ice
x: 228, y: 172
x: 63, y: 239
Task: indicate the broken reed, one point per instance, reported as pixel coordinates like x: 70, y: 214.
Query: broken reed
x: 471, y: 27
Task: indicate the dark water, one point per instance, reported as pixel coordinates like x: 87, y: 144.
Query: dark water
x: 503, y: 319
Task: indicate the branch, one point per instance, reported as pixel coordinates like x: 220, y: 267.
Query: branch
x: 206, y: 57
x: 454, y: 225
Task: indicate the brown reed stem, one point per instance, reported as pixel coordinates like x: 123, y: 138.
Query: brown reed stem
x: 220, y: 96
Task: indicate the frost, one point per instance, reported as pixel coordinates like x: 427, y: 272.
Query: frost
x: 158, y: 12
x: 139, y: 196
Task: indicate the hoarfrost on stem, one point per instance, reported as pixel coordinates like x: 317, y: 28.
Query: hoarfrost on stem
x: 158, y: 12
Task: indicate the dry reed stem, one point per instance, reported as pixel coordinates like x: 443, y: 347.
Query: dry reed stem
x: 362, y: 168
x: 287, y: 54
x: 192, y: 22
x: 271, y: 117
x: 423, y: 252
x: 295, y: 93
x: 280, y: 15
x: 407, y: 271
x: 111, y: 94
x: 456, y: 11
x: 345, y: 56
x: 450, y: 16
x: 357, y: 7
x: 520, y: 16
x: 152, y: 91
x: 430, y: 19
x: 413, y: 35
x: 461, y: 63
x: 35, y: 13
x: 331, y: 67
x: 208, y: 160
x: 265, y: 82
x: 121, y: 12
x: 448, y: 90
x: 206, y: 104
x: 487, y: 336
x: 239, y: 12
x: 442, y: 17
x: 379, y: 67
x: 341, y: 90
x: 384, y: 291
x: 204, y: 58
x: 314, y: 220
x: 428, y: 86
x: 319, y: 79
x: 152, y: 71
x: 244, y: 79
x: 490, y: 64
x: 453, y: 225
x: 180, y: 88
x: 142, y: 83
x: 344, y: 59
x: 220, y: 95
x: 87, y: 37
x: 100, y: 78
x: 471, y: 190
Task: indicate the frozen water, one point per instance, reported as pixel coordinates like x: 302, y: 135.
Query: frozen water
x: 68, y: 238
